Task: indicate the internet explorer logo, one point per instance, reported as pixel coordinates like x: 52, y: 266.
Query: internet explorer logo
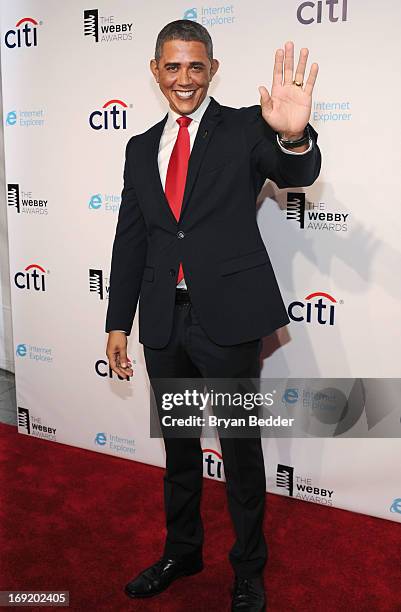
x: 291, y: 396
x: 396, y: 505
x: 101, y: 439
x: 11, y: 118
x: 21, y: 350
x: 95, y: 201
x: 191, y: 14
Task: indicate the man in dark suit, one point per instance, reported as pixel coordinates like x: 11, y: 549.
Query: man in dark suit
x: 187, y: 245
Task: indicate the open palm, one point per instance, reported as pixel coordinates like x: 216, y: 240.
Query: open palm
x: 287, y: 109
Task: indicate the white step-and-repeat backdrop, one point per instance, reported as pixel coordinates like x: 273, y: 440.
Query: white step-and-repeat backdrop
x: 76, y: 86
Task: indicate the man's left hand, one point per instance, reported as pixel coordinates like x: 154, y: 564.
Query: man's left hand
x: 287, y: 109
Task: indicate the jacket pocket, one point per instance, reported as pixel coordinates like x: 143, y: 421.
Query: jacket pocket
x: 148, y: 273
x: 244, y: 262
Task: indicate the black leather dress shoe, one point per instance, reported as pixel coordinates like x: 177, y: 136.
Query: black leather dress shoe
x: 159, y: 576
x: 248, y: 595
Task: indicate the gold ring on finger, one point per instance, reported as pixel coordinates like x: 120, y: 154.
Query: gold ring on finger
x: 298, y: 83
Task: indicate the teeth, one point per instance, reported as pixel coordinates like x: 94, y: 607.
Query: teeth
x: 184, y: 94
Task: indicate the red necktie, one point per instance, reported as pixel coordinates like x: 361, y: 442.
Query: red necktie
x: 177, y: 173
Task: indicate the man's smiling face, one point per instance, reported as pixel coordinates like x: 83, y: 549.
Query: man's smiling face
x: 184, y: 72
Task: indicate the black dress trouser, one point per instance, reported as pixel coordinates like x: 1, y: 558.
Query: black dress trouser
x: 191, y: 354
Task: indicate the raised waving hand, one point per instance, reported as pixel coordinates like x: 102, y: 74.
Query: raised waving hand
x: 287, y: 109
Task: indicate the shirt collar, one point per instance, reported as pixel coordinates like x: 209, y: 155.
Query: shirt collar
x: 195, y: 116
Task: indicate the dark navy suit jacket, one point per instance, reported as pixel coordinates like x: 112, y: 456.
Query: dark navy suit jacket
x: 233, y: 288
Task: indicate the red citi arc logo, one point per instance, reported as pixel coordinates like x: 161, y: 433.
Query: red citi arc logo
x: 24, y: 35
x: 112, y: 116
x: 321, y: 310
x: 32, y: 278
x: 212, y: 463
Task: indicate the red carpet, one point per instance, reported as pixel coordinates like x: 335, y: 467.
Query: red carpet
x: 85, y: 522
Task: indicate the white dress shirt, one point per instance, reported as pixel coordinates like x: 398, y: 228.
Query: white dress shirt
x: 169, y: 136
x: 167, y: 142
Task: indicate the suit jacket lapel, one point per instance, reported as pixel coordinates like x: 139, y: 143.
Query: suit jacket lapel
x: 210, y: 119
x: 154, y: 174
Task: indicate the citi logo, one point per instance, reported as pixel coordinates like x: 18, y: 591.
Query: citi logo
x: 212, y: 464
x: 113, y: 116
x: 318, y: 306
x: 317, y: 12
x: 24, y: 35
x: 103, y: 369
x: 32, y: 278
x: 24, y: 425
x: 285, y: 478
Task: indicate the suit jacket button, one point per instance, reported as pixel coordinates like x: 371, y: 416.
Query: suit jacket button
x: 172, y: 272
x: 180, y: 235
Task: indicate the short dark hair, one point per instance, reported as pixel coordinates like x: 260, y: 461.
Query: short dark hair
x: 183, y: 29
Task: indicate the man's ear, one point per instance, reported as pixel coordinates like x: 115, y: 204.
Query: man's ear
x: 154, y: 69
x: 214, y: 68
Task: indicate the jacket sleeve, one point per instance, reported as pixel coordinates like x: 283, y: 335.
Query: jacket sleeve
x: 273, y: 163
x: 128, y: 255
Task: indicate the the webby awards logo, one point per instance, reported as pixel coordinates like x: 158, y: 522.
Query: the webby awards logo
x: 314, y: 215
x: 106, y: 28
x: 25, y: 201
x: 301, y: 487
x: 98, y: 283
x: 32, y: 425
